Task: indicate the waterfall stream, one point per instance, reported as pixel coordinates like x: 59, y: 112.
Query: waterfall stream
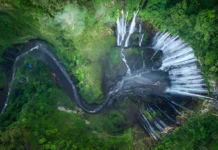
x: 122, y: 33
x: 180, y: 62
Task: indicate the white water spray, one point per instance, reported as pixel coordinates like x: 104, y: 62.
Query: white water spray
x: 140, y: 28
x: 140, y: 40
x: 180, y: 61
x: 125, y: 61
x: 131, y: 29
x: 123, y: 37
x: 121, y: 28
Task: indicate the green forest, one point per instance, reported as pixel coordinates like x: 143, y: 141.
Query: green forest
x: 40, y: 115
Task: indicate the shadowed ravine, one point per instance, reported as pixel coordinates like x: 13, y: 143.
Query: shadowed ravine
x: 178, y: 74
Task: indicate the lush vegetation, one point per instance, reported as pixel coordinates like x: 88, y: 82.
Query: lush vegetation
x: 114, y: 122
x: 34, y: 119
x: 80, y: 33
x: 199, y: 132
x: 76, y: 37
x: 73, y: 28
x: 196, y: 22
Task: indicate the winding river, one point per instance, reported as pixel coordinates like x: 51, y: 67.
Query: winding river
x: 179, y: 74
x: 40, y: 50
x: 141, y: 83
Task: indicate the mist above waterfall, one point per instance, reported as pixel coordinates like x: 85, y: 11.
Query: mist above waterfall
x: 72, y: 19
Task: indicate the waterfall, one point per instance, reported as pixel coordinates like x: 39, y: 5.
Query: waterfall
x: 160, y: 125
x: 148, y: 127
x: 156, y: 120
x: 174, y: 108
x: 125, y: 61
x: 127, y: 41
x: 122, y: 33
x: 180, y: 62
x: 140, y: 27
x: 142, y: 34
x: 131, y: 29
x: 166, y: 115
x: 121, y: 28
x: 140, y: 40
